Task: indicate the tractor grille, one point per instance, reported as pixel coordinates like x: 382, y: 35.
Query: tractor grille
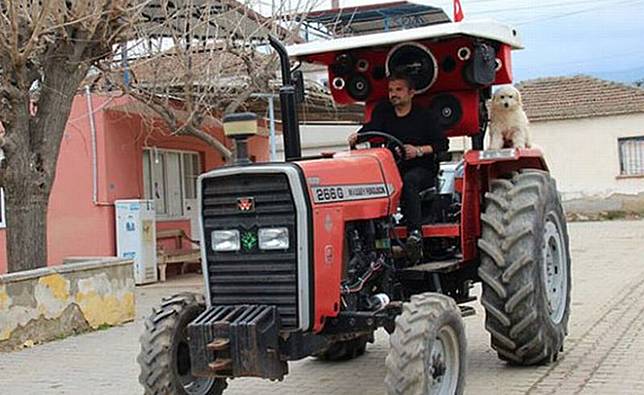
x: 251, y: 275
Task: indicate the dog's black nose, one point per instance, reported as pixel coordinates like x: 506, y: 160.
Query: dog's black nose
x: 506, y: 105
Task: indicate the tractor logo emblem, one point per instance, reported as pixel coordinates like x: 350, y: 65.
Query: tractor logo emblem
x: 246, y: 204
x: 248, y: 241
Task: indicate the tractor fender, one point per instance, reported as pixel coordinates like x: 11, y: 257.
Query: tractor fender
x: 480, y: 168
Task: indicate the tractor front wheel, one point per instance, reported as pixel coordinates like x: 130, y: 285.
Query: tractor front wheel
x: 165, y: 353
x: 427, y: 352
x: 525, y: 268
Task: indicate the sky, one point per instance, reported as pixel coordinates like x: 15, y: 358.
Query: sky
x: 600, y: 38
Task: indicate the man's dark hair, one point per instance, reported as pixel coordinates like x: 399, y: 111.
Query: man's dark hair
x: 402, y: 76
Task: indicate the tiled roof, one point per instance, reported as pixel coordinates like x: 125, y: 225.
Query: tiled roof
x: 581, y: 96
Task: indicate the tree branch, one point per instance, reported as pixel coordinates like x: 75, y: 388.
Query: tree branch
x: 35, y: 34
x: 182, y: 129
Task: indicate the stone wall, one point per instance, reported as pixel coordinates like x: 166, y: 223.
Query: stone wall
x: 54, y: 302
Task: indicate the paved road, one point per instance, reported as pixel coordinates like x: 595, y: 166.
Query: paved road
x: 604, y: 352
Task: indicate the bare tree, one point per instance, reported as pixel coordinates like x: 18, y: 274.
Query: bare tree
x: 200, y: 59
x: 46, y: 50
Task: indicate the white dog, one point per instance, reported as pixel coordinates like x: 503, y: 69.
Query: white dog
x: 508, y: 122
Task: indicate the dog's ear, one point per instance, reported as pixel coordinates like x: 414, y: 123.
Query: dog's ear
x: 519, y: 98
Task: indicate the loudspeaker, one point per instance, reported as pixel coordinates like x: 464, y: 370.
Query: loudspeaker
x: 359, y: 87
x: 338, y: 83
x: 447, y: 110
x: 481, y: 70
x: 362, y: 65
x: 343, y: 65
x: 416, y: 61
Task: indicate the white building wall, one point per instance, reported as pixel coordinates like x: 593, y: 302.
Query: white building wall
x: 316, y: 139
x: 583, y: 154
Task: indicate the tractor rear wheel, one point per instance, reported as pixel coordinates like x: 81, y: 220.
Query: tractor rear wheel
x: 525, y: 268
x: 427, y: 352
x: 165, y: 353
x: 345, y: 350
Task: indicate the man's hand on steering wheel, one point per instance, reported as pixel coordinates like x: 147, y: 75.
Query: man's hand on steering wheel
x: 411, y: 151
x: 396, y: 146
x: 353, y: 137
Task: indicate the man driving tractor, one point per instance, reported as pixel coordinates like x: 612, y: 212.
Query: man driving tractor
x: 423, y: 139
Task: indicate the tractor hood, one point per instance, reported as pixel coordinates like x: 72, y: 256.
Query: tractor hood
x: 363, y: 183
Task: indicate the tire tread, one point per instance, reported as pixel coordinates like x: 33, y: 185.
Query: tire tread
x: 520, y: 332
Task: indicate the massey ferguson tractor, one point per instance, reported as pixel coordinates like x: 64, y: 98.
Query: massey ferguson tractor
x: 307, y: 257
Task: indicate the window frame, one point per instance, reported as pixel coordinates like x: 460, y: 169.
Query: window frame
x: 181, y: 153
x: 623, y: 170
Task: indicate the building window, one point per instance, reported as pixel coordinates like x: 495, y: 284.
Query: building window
x: 3, y: 221
x: 631, y: 156
x: 170, y: 178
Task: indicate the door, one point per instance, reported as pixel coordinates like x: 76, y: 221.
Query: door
x: 173, y: 184
x: 191, y: 170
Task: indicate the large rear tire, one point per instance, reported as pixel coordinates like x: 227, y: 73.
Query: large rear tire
x: 165, y: 353
x: 525, y: 268
x: 427, y: 352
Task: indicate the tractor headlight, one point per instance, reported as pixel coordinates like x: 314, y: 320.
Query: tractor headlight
x: 225, y: 240
x: 273, y: 238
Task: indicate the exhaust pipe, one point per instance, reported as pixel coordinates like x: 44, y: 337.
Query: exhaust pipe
x: 288, y: 104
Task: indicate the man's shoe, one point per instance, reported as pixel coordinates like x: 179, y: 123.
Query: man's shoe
x: 414, y: 247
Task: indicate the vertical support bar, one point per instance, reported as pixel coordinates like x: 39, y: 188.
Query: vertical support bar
x: 271, y: 117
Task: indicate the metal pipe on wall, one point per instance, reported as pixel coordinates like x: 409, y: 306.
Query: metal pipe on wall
x: 92, y: 128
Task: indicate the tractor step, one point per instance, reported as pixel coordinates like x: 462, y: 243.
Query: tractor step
x: 445, y: 266
x: 467, y: 311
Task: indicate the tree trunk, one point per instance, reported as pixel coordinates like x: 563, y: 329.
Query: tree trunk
x: 31, y: 155
x: 26, y: 231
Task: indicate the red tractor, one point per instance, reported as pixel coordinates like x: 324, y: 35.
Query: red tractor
x: 306, y: 257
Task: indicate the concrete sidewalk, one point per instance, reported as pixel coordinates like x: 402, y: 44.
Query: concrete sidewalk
x: 602, y: 355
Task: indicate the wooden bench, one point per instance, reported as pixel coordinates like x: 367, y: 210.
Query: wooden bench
x: 178, y: 254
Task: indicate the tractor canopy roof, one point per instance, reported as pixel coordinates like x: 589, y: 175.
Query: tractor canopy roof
x: 485, y: 29
x: 453, y: 65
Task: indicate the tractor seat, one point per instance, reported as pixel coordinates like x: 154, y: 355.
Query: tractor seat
x: 430, y: 193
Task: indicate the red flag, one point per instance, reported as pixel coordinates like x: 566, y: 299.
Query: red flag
x: 458, y: 11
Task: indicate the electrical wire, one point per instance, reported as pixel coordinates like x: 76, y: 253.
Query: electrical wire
x: 551, y: 17
x: 541, y: 6
x: 588, y: 60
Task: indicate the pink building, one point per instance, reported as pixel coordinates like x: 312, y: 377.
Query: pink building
x: 125, y: 157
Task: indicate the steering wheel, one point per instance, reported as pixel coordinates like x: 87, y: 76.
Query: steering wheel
x: 396, y: 146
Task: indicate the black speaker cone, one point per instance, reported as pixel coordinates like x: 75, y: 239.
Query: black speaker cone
x: 447, y: 110
x: 359, y: 87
